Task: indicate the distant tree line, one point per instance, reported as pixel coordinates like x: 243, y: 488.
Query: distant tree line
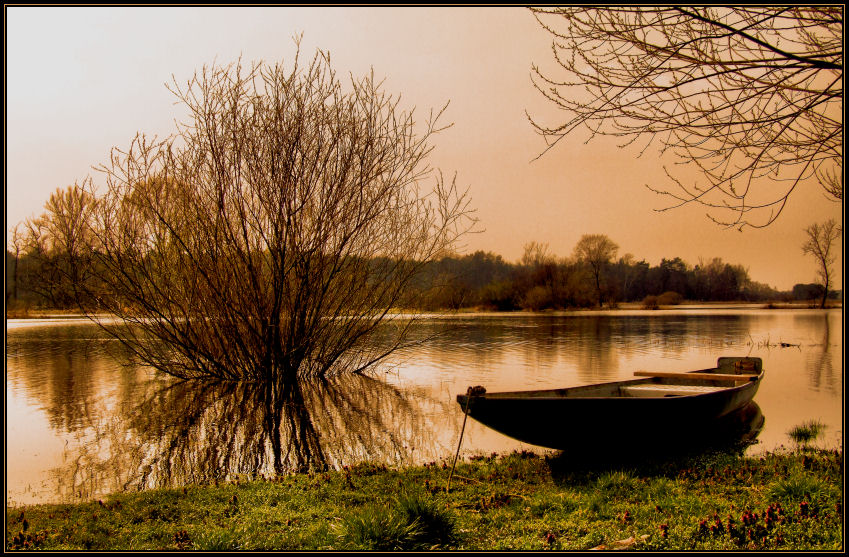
x: 542, y: 281
x: 37, y: 277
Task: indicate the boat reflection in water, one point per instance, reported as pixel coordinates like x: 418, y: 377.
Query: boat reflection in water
x: 201, y: 433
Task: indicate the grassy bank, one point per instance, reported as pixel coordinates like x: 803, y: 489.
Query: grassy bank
x: 720, y: 501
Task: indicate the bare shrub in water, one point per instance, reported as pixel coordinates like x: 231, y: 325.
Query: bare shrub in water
x: 270, y: 238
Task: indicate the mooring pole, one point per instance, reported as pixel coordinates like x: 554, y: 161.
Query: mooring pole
x: 470, y: 392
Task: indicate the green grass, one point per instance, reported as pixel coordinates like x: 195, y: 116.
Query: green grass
x: 789, y: 500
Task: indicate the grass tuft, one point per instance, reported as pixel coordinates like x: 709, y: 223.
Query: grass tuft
x: 807, y: 432
x: 617, y: 483
x: 376, y: 529
x: 799, y: 488
x: 436, y: 525
x: 216, y: 540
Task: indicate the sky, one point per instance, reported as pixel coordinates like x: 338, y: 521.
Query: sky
x: 82, y: 80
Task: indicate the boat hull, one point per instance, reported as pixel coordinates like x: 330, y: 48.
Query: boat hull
x: 564, y: 418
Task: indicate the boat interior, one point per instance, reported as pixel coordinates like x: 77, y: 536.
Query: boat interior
x: 653, y: 387
x: 661, y: 385
x: 642, y: 388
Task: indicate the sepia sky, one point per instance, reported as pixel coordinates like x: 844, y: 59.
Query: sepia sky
x: 81, y: 80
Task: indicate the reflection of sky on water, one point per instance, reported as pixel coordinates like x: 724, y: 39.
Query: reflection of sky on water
x: 79, y: 422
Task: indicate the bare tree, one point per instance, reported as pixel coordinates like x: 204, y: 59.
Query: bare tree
x: 752, y: 96
x: 536, y: 254
x: 820, y: 244
x: 596, y: 251
x: 16, y: 243
x: 56, y: 244
x: 272, y: 236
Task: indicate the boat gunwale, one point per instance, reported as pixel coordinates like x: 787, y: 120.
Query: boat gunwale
x: 660, y: 381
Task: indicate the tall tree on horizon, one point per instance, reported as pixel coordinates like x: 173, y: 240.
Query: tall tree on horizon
x: 596, y: 251
x: 820, y: 244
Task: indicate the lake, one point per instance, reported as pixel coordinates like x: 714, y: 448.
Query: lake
x: 82, y: 422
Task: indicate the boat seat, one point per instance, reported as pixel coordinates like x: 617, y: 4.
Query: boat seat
x: 657, y: 390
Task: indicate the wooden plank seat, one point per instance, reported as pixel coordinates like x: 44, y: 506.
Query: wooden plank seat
x: 655, y: 390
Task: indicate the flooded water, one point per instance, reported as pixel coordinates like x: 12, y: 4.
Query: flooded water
x: 80, y: 422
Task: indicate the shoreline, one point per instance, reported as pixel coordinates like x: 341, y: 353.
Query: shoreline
x: 471, y: 311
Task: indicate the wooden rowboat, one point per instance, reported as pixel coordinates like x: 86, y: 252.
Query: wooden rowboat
x: 654, y: 404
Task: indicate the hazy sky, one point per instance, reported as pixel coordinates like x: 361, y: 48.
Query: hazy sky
x: 80, y: 80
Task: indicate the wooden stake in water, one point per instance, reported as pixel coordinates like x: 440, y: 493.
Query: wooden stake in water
x: 470, y: 392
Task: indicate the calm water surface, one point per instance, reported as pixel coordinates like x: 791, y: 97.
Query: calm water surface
x: 81, y: 422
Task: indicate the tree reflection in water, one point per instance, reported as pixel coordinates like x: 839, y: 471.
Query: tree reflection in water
x: 195, y: 432
x: 819, y: 361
